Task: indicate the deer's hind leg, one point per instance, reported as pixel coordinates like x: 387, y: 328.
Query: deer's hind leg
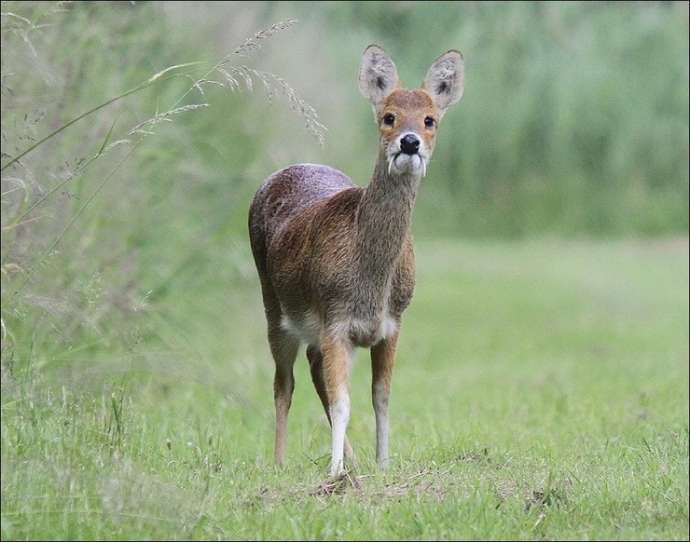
x: 315, y: 358
x: 284, y: 349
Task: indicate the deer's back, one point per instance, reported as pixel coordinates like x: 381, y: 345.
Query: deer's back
x: 288, y: 193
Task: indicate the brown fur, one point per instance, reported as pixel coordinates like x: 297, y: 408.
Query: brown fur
x: 382, y: 362
x: 335, y: 261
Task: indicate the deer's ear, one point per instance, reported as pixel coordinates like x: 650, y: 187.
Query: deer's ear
x: 377, y: 75
x: 445, y: 79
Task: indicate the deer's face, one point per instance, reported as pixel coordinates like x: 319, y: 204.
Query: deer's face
x: 408, y: 119
x: 407, y: 130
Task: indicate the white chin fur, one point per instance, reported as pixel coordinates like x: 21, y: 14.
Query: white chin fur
x: 406, y: 163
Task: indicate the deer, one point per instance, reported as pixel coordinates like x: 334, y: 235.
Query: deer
x: 336, y: 261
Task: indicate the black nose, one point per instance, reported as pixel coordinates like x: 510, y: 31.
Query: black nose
x: 409, y: 144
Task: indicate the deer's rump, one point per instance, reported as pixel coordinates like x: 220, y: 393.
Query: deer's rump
x: 297, y: 217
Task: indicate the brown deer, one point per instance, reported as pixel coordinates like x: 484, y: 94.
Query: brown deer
x: 335, y: 260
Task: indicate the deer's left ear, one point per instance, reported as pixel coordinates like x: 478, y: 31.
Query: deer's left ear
x: 445, y: 80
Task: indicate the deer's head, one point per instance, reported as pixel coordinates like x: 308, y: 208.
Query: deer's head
x: 408, y: 120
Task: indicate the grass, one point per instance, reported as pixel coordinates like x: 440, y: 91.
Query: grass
x: 541, y: 391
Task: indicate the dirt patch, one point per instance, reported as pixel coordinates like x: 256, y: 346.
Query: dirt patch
x: 338, y: 485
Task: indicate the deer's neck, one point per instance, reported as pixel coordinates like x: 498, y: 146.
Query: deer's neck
x: 383, y: 222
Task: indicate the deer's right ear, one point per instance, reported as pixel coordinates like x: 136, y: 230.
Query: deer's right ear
x: 377, y: 75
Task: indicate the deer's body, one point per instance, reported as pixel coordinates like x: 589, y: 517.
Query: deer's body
x: 323, y: 277
x: 335, y: 260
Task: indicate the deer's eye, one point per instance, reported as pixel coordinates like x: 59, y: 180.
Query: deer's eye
x: 389, y: 119
x: 429, y: 122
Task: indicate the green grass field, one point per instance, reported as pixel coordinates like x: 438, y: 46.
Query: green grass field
x: 541, y: 392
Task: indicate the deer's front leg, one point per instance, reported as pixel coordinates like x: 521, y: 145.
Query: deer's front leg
x: 337, y: 357
x: 382, y: 360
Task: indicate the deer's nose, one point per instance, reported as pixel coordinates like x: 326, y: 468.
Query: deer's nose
x: 409, y: 144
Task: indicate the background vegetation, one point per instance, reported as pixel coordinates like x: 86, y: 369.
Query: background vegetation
x: 542, y: 387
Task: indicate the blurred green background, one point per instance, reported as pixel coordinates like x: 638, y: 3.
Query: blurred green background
x: 560, y: 180
x: 574, y: 123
